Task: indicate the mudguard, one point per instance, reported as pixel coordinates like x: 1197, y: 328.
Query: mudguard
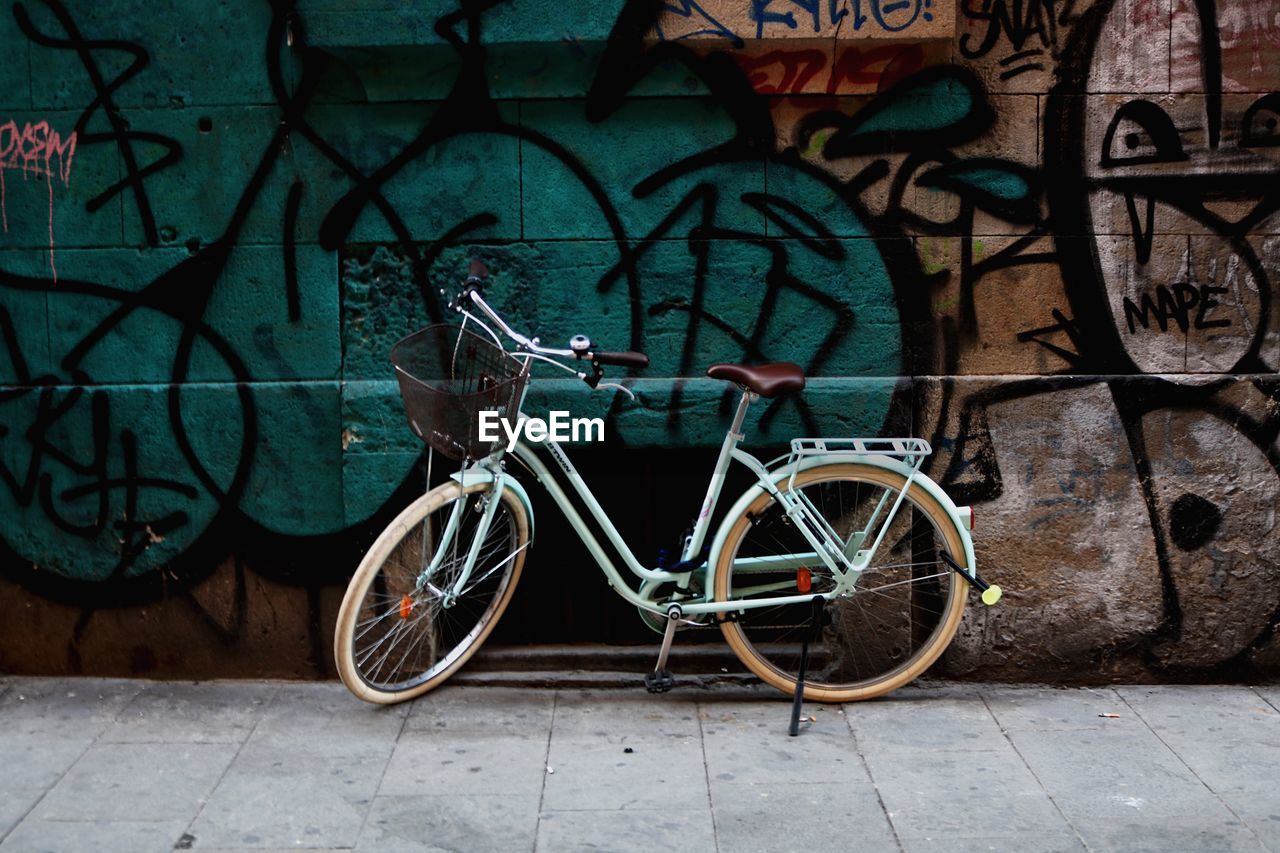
x: 471, y: 476
x: 780, y: 475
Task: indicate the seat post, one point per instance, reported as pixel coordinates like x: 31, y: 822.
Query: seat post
x: 694, y: 543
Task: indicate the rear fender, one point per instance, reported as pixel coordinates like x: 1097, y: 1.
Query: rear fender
x: 780, y: 475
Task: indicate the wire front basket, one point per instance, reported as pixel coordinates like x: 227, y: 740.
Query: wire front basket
x: 448, y: 376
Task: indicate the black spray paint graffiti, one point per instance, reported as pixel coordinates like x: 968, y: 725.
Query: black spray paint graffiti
x: 171, y: 521
x: 170, y: 513
x: 1183, y: 182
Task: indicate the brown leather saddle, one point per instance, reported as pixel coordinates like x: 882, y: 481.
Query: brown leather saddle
x: 767, y: 380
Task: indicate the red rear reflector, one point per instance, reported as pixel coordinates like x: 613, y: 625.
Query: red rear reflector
x: 804, y: 580
x: 406, y: 607
x: 972, y: 518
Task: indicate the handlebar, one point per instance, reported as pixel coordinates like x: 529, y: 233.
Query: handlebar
x: 619, y: 359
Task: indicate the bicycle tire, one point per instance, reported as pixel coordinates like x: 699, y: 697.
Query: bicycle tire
x: 394, y: 561
x: 766, y: 640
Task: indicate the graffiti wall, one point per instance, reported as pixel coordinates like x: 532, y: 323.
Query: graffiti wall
x: 1039, y: 233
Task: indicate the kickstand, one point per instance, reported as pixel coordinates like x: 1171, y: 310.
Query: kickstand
x: 815, y: 627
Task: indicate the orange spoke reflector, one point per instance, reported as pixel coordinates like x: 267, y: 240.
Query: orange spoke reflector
x: 804, y: 580
x: 406, y: 607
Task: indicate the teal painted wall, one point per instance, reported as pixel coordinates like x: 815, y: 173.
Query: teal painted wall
x: 193, y: 359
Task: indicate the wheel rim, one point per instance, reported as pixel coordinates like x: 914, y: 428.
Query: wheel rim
x: 891, y: 627
x: 404, y: 635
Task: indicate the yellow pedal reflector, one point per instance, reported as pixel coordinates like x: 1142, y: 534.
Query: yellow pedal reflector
x: 991, y: 595
x: 804, y: 580
x: 406, y: 607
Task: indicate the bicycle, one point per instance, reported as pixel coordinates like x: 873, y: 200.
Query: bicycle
x: 840, y: 575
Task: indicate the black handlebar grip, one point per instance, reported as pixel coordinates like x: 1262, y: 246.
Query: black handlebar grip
x: 621, y: 359
x: 478, y: 272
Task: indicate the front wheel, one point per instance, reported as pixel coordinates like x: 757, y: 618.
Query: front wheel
x: 402, y: 630
x: 887, y: 630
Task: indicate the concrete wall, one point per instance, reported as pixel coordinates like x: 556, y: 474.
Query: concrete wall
x: 1040, y: 234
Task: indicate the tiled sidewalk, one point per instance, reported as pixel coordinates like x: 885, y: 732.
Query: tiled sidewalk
x: 136, y: 766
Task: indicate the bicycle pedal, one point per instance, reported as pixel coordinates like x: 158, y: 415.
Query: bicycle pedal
x: 659, y: 682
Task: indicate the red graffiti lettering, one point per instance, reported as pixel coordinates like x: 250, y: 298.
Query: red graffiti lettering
x: 33, y: 149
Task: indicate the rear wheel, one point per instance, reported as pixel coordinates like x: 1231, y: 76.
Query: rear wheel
x: 400, y: 634
x: 888, y: 630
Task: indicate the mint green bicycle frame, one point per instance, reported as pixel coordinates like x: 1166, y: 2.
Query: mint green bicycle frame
x: 846, y: 559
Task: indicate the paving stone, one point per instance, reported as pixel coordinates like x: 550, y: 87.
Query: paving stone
x: 1001, y: 843
x: 1109, y: 777
x: 36, y: 762
x: 1048, y: 709
x: 640, y: 831
x: 14, y: 805
x: 1229, y: 738
x: 302, y: 806
x: 817, y: 816
x: 62, y: 706
x: 1204, y: 713
x: 1159, y: 834
x: 962, y: 794
x: 451, y: 823
x: 306, y: 766
x: 145, y: 781
x: 1271, y: 693
x: 748, y: 743
x: 324, y: 712
x: 483, y: 711
x: 309, y: 785
x: 594, y: 771
x: 614, y: 712
x: 213, y: 712
x: 427, y: 764
x: 57, y: 836
x: 925, y: 720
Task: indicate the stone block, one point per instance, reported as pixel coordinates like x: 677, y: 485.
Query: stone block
x: 1144, y: 299
x: 243, y: 332
x: 123, y: 496
x: 1013, y: 329
x: 295, y: 483
x: 1216, y: 494
x: 797, y: 66
x: 1063, y: 526
x: 250, y: 308
x: 15, y: 75
x: 197, y: 199
x: 616, y: 156
x: 1227, y: 313
x: 25, y: 336
x: 435, y: 191
x: 1246, y: 34
x: 1132, y: 50
x: 371, y: 482
x: 738, y: 20
x: 195, y: 55
x: 48, y: 178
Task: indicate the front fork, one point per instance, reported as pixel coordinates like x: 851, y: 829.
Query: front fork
x: 489, y: 502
